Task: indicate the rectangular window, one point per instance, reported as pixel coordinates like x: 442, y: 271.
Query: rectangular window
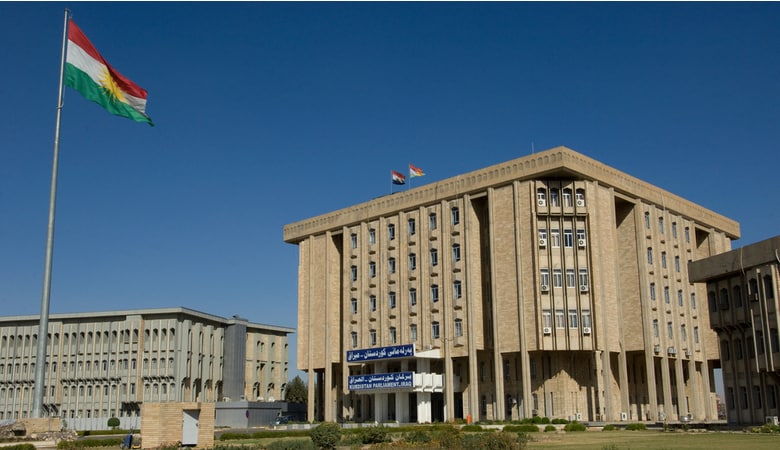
x: 391, y: 231
x: 413, y: 332
x: 652, y: 291
x: 568, y: 238
x: 573, y: 318
x: 353, y: 240
x: 677, y: 264
x: 412, y: 227
x: 695, y: 335
x: 434, y: 293
x: 650, y: 255
x: 655, y: 328
x: 647, y: 220
x: 458, y: 327
x: 372, y: 236
x: 412, y: 296
x: 674, y: 230
x: 557, y: 278
x: 372, y: 269
x: 455, y: 215
x: 693, y: 300
x: 353, y: 338
x: 544, y: 277
x: 669, y: 330
x: 679, y: 298
x: 571, y: 278
x: 353, y: 305
x: 372, y: 337
x: 455, y: 252
x: 683, y: 333
x: 687, y: 235
x: 372, y: 302
x: 661, y: 225
x: 547, y: 318
x: 555, y: 237
x: 435, y: 330
x: 434, y: 257
x: 353, y: 273
x: 584, y: 278
x: 560, y: 319
x: 542, y: 235
x: 412, y: 261
x: 580, y: 234
x: 667, y: 300
x: 432, y: 221
x: 391, y: 299
x: 457, y: 290
x: 393, y: 335
x: 391, y: 265
x: 567, y: 198
x: 586, y: 320
x: 663, y: 260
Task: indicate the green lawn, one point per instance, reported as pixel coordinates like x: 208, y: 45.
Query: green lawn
x: 655, y: 440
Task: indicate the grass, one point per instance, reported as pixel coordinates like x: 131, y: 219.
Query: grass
x: 653, y: 440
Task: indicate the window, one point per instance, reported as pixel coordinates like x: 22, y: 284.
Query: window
x: 695, y: 335
x: 372, y: 236
x: 647, y: 220
x: 738, y: 349
x: 655, y: 328
x: 546, y: 318
x: 579, y: 195
x: 584, y: 278
x: 557, y: 278
x: 661, y: 225
x: 353, y: 305
x: 571, y: 278
x: 693, y: 300
x: 412, y: 296
x: 455, y: 252
x: 412, y: 225
x: 724, y: 299
x: 737, y: 294
x: 560, y: 319
x: 434, y: 257
x: 667, y: 300
x: 353, y: 273
x: 652, y: 291
x: 568, y: 238
x: 544, y: 277
x: 412, y: 261
x: 542, y: 235
x: 372, y: 337
x: 391, y: 299
x: 573, y: 318
x: 353, y: 240
x: 434, y: 293
x: 724, y: 350
x: 669, y: 330
x: 393, y: 335
x: 679, y: 297
x: 372, y: 269
x: 751, y: 348
x: 555, y: 237
x: 580, y: 234
x: 586, y: 319
x: 663, y: 260
x: 677, y: 264
x: 555, y: 199
x: 541, y: 197
x: 391, y: 231
x: 455, y: 215
x: 712, y: 301
x: 683, y: 333
x: 457, y: 290
x: 687, y: 235
x: 413, y: 332
x: 760, y: 342
x: 432, y: 221
x: 769, y: 290
x: 567, y: 202
x: 458, y: 327
x: 372, y: 302
x: 391, y: 264
x: 757, y: 397
x: 435, y: 330
x: 650, y: 255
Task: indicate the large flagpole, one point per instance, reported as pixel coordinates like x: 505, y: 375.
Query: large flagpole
x: 43, y: 327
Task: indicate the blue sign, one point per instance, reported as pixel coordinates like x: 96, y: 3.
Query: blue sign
x: 393, y: 380
x: 372, y: 354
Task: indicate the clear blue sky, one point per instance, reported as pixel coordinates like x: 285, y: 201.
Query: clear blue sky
x: 271, y: 113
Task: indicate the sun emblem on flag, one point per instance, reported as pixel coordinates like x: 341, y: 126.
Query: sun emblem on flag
x: 109, y: 85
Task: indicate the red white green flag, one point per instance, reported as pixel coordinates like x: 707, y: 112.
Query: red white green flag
x: 87, y: 72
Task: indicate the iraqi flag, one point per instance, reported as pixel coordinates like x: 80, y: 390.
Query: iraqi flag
x: 397, y: 177
x: 87, y: 72
x: 415, y: 171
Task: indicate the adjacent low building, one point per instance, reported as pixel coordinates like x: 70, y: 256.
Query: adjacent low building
x: 743, y: 295
x: 108, y: 364
x: 549, y: 285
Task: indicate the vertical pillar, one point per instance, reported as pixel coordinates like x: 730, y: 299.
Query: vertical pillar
x: 666, y: 385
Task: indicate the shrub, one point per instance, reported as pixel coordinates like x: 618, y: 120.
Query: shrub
x: 326, y: 435
x: 20, y: 447
x: 374, y: 435
x: 113, y: 422
x: 540, y: 420
x: 89, y: 443
x: 523, y: 428
x: 575, y: 426
x: 550, y: 428
x: 418, y: 437
x: 609, y: 427
x: 292, y: 444
x: 446, y: 435
x: 636, y: 427
x: 471, y: 428
x: 501, y: 440
x: 560, y: 421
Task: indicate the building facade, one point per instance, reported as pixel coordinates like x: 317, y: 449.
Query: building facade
x: 549, y: 285
x: 743, y: 288
x: 108, y: 364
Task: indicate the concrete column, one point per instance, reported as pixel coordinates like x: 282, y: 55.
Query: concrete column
x: 666, y: 385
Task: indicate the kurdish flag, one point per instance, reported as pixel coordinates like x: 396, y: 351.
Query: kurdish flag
x: 87, y: 72
x: 415, y: 171
x: 397, y: 177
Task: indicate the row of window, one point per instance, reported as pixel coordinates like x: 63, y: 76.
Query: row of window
x: 661, y: 228
x: 457, y: 294
x: 392, y: 334
x: 650, y: 259
x: 391, y: 262
x: 667, y: 296
x: 558, y: 197
x: 771, y: 397
x: 736, y: 291
x: 411, y: 225
x: 575, y: 318
x: 554, y: 239
x: 752, y: 347
x: 670, y: 332
x: 572, y: 278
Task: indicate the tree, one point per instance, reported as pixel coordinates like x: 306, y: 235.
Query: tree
x: 113, y: 422
x: 296, y: 391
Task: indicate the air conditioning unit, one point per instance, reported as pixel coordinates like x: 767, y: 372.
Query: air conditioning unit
x: 547, y: 330
x: 623, y: 416
x: 581, y: 242
x: 657, y: 348
x: 671, y: 351
x: 542, y: 242
x: 772, y: 420
x: 586, y: 331
x: 580, y: 202
x: 545, y: 288
x: 579, y: 416
x: 688, y: 353
x: 583, y: 288
x: 541, y: 202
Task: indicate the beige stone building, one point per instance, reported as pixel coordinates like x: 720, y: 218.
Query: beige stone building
x: 108, y: 364
x: 743, y: 291
x: 548, y: 285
